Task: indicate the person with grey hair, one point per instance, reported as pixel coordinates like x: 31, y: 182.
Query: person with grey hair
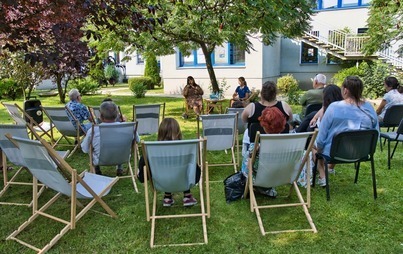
x: 314, y: 95
x: 79, y: 110
x: 109, y: 114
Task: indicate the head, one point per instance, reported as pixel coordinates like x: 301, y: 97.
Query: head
x: 237, y: 104
x: 242, y: 81
x: 272, y: 120
x: 107, y: 99
x: 109, y: 112
x: 319, y: 81
x: 269, y: 91
x: 331, y: 93
x: 190, y: 80
x: 391, y: 83
x: 352, y: 88
x: 169, y: 130
x: 74, y: 95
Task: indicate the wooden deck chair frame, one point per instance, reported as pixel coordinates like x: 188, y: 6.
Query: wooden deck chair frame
x: 75, y: 185
x: 241, y: 127
x: 96, y: 114
x: 109, y: 158
x: 396, y: 137
x: 254, y: 207
x: 219, y: 131
x: 16, y: 158
x: 204, y: 204
x: 188, y: 109
x: 151, y: 117
x: 64, y: 115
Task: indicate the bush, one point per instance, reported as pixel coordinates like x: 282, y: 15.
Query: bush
x: 340, y: 76
x: 112, y: 74
x: 289, y: 85
x: 84, y: 85
x: 152, y: 70
x: 373, y: 78
x: 10, y: 89
x: 139, y: 86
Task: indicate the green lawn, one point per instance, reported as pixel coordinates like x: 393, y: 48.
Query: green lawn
x: 351, y: 222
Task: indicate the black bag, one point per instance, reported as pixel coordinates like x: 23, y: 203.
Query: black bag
x: 234, y: 186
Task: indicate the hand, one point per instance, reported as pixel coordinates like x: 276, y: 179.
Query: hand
x: 312, y: 123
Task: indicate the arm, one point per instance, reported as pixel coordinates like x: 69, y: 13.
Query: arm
x: 324, y: 129
x: 186, y: 91
x: 288, y: 110
x: 380, y: 107
x: 303, y: 99
x: 247, y: 112
x: 318, y: 115
x: 85, y: 144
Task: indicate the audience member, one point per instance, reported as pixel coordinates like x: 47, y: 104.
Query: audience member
x: 193, y: 95
x: 109, y: 114
x: 242, y: 92
x: 352, y: 113
x: 79, y: 110
x: 170, y: 130
x: 391, y: 97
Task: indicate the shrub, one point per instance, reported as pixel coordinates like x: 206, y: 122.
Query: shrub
x: 112, y: 74
x: 340, y: 76
x: 152, y: 70
x: 139, y: 86
x: 10, y: 89
x: 374, y: 74
x: 84, y: 85
x: 289, y: 85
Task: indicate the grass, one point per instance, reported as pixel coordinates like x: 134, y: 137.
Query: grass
x: 351, y: 222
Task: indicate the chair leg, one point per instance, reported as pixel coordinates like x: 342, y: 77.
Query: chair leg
x: 373, y: 178
x: 357, y: 169
x: 314, y: 172
x: 327, y: 181
x: 394, y: 149
x: 388, y: 153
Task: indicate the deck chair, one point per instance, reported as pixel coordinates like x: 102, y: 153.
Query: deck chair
x: 54, y: 172
x: 96, y: 114
x: 13, y: 154
x: 188, y: 109
x: 148, y: 117
x: 220, y: 130
x: 117, y: 146
x: 394, y: 136
x: 60, y: 118
x: 392, y: 118
x: 241, y: 127
x: 281, y: 160
x: 350, y: 147
x: 172, y: 167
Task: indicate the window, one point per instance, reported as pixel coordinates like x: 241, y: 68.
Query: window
x: 333, y: 4
x: 227, y: 54
x: 309, y: 54
x: 140, y: 59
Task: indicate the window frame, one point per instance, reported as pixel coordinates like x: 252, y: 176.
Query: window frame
x: 341, y: 5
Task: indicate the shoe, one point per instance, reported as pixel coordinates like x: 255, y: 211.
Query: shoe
x: 119, y: 172
x: 270, y: 192
x: 331, y: 171
x: 167, y: 202
x: 322, y: 182
x: 185, y: 116
x: 189, y: 200
x: 98, y: 170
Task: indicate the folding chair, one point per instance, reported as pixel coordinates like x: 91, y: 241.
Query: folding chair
x: 189, y: 109
x: 220, y: 130
x: 350, y: 147
x: 15, y: 113
x: 241, y: 126
x: 117, y: 144
x: 396, y: 136
x: 281, y: 159
x: 172, y: 167
x: 392, y: 118
x: 60, y: 118
x: 43, y: 162
x: 312, y: 107
x: 148, y: 117
x: 96, y: 114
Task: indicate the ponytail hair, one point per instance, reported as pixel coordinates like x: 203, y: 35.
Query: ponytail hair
x: 392, y: 82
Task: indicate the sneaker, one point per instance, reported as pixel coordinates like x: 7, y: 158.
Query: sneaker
x: 189, y: 200
x: 331, y: 171
x: 167, y: 202
x: 119, y: 172
x: 270, y: 192
x: 322, y: 182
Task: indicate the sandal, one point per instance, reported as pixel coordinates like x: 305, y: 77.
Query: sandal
x: 8, y: 168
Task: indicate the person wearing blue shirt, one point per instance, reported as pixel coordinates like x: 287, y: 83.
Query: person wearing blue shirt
x: 352, y: 113
x: 79, y: 110
x: 242, y: 92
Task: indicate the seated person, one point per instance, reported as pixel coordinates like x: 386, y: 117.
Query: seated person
x: 242, y: 92
x: 109, y: 114
x: 193, y: 95
x: 271, y: 121
x: 79, y: 110
x: 170, y: 130
x: 391, y: 97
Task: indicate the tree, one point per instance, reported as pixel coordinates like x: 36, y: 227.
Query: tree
x: 206, y: 24
x: 385, y: 27
x: 51, y: 32
x: 151, y: 69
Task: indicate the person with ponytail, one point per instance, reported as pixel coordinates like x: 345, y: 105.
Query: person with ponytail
x: 391, y: 97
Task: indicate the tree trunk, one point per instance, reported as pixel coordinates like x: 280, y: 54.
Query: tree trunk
x: 210, y: 69
x: 62, y: 96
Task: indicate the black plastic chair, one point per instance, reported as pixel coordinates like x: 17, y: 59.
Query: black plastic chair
x: 393, y: 137
x: 392, y: 118
x: 312, y: 107
x: 350, y: 147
